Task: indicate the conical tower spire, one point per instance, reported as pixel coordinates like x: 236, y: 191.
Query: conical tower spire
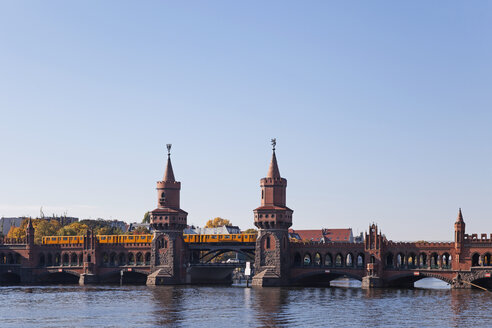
x: 273, y: 171
x: 29, y: 223
x: 169, y: 174
x: 460, y: 216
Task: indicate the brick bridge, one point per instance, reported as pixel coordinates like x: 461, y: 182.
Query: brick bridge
x: 279, y: 261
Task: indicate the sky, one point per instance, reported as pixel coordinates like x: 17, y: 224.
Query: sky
x: 381, y: 110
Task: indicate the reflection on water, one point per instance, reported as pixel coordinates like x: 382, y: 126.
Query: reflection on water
x: 191, y: 306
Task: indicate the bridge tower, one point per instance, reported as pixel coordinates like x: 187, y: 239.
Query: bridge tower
x: 273, y: 219
x: 168, y: 220
x: 459, y: 239
x: 373, y: 243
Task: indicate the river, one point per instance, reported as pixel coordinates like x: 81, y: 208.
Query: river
x: 435, y: 305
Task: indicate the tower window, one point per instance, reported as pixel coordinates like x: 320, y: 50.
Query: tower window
x: 163, y: 195
x: 262, y: 194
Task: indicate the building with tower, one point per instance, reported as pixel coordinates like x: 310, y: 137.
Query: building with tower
x: 168, y: 220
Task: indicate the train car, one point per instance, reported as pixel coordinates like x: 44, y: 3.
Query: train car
x: 219, y: 238
x: 124, y: 239
x: 62, y: 240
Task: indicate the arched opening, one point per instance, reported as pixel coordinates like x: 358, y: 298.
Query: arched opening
x: 121, y: 259
x: 49, y: 260
x: 66, y: 259
x: 373, y: 259
x: 128, y: 278
x: 17, y: 258
x: 297, y: 259
x: 57, y: 259
x: 81, y: 259
x: 105, y: 259
x: 147, y: 258
x: 328, y: 260
x: 267, y: 239
x: 446, y: 261
x: 476, y: 259
x: 360, y: 260
x: 2, y: 258
x: 339, y: 260
x: 423, y: 260
x: 131, y: 259
x: 412, y: 261
x: 42, y: 260
x: 321, y: 279
x: 400, y: 260
x: 139, y: 258
x: 486, y: 259
x: 10, y: 258
x: 307, y: 260
x: 317, y: 259
x: 349, y: 260
x: 389, y: 260
x: 112, y: 259
x: 434, y: 261
x: 73, y: 259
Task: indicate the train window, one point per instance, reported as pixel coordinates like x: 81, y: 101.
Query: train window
x: 130, y: 237
x: 65, y: 238
x: 53, y: 238
x: 103, y: 238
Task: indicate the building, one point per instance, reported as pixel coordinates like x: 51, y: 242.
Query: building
x: 7, y: 223
x: 135, y: 225
x: 323, y: 235
x: 63, y: 220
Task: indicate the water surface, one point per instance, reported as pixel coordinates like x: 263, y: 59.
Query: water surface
x: 213, y: 306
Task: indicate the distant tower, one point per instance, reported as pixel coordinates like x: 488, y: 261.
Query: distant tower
x: 168, y: 221
x: 273, y: 218
x: 459, y: 236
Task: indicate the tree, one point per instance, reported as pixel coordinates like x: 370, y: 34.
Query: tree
x: 141, y: 231
x: 73, y: 229
x: 44, y: 228
x: 146, y: 218
x: 250, y: 230
x: 217, y: 222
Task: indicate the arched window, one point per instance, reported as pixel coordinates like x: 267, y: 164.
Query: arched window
x: 147, y: 258
x: 476, y: 259
x: 139, y: 258
x: 307, y: 260
x: 73, y: 259
x: 42, y: 260
x: 434, y: 261
x: 122, y: 259
x: 297, y: 259
x: 66, y: 259
x: 328, y: 260
x: 131, y: 259
x: 267, y: 242
x: 389, y: 260
x: 338, y: 260
x: 349, y: 261
x: 317, y: 259
x: 360, y: 260
x: 486, y: 259
x: 423, y: 260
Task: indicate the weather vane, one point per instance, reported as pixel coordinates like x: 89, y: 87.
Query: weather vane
x: 274, y: 143
x: 168, y: 149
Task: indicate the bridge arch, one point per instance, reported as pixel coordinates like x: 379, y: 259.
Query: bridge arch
x: 317, y: 260
x: 60, y: 277
x: 412, y: 260
x: 408, y: 279
x: 41, y: 260
x: 121, y: 259
x: 321, y: 277
x: 73, y: 259
x: 133, y: 277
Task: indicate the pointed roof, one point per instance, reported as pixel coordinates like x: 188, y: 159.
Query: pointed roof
x: 29, y: 223
x: 273, y: 171
x: 169, y: 174
x: 460, y: 216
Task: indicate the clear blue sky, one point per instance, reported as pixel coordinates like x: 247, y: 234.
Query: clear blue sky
x: 382, y: 110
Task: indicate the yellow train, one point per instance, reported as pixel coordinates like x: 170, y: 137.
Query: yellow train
x: 141, y: 239
x: 232, y: 238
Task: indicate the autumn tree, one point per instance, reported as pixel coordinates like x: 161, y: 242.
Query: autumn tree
x: 250, y: 230
x: 73, y: 229
x: 141, y: 231
x: 217, y: 222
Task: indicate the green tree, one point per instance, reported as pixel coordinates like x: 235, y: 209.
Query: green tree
x: 146, y: 218
x: 217, y: 222
x: 250, y: 230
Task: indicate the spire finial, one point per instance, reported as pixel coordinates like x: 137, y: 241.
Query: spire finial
x: 168, y: 150
x: 274, y: 143
x: 460, y: 215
